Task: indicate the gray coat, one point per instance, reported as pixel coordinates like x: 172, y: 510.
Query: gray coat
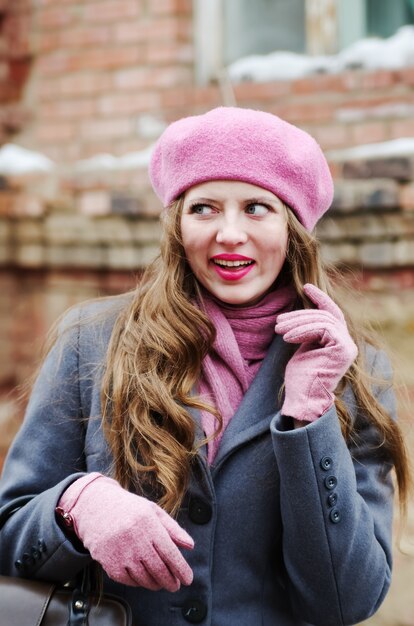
x: 290, y: 526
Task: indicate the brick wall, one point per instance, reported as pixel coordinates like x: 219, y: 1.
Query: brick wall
x: 98, y: 66
x: 15, y: 65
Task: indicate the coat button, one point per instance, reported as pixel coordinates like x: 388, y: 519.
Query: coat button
x: 330, y: 482
x: 194, y: 611
x: 332, y: 499
x: 335, y: 516
x: 36, y: 553
x: 326, y: 463
x: 18, y: 564
x: 199, y: 511
x: 27, y: 559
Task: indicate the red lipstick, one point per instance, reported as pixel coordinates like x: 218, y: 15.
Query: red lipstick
x: 233, y: 266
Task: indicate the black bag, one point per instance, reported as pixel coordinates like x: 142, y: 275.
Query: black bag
x: 34, y: 603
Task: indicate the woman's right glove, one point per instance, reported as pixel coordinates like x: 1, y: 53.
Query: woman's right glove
x: 326, y: 351
x: 133, y: 539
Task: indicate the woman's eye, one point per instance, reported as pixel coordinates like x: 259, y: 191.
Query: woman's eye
x: 201, y: 209
x: 257, y: 209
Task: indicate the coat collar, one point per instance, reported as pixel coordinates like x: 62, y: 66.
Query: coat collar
x: 259, y: 404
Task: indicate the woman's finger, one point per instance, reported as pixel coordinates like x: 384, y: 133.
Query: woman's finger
x: 174, y: 560
x: 312, y: 333
x: 303, y: 316
x: 158, y: 568
x: 177, y: 534
x: 138, y: 576
x: 323, y: 301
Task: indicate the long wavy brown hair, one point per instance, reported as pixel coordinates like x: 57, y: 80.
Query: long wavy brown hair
x: 154, y: 362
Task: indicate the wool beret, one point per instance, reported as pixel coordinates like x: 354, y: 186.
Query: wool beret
x: 231, y: 143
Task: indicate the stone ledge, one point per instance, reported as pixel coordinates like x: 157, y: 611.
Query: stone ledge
x: 79, y: 241
x: 351, y: 195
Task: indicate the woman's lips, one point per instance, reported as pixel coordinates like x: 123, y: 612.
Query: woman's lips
x: 234, y: 268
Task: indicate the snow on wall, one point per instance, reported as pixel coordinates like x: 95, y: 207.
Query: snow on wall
x: 371, y: 53
x: 15, y: 160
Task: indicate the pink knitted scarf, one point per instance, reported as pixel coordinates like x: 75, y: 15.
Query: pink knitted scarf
x: 243, y: 335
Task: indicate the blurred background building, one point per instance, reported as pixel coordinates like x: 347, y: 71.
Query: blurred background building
x: 87, y: 86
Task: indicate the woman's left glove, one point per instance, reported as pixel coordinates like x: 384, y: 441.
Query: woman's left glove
x: 325, y: 354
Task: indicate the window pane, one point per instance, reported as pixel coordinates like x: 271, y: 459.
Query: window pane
x: 364, y: 18
x: 262, y: 26
x: 384, y: 18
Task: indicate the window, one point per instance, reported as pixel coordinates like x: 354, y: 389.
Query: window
x: 262, y: 26
x: 364, y: 18
x: 227, y: 30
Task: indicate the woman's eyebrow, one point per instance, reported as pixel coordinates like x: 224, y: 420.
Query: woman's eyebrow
x: 264, y: 199
x: 193, y: 200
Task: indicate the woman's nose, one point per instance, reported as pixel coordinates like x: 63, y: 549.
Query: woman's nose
x: 231, y: 233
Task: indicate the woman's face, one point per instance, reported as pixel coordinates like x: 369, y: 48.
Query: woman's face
x: 235, y: 239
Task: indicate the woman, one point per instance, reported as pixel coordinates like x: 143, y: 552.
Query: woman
x: 216, y: 440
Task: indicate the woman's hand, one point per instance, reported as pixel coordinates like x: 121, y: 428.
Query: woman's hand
x: 133, y: 539
x: 325, y: 353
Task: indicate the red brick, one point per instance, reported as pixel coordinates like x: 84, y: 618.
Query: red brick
x: 168, y: 52
x: 299, y: 112
x: 184, y: 6
x: 132, y: 78
x: 351, y: 80
x: 61, y: 62
x: 56, y: 17
x: 166, y: 76
x: 18, y: 71
x: 67, y: 109
x: 108, y: 58
x: 209, y: 96
x: 14, y: 117
x: 53, y: 63
x: 111, y: 10
x: 86, y: 36
x: 185, y: 30
x: 318, y: 83
x: 7, y: 201
x: 135, y: 103
x: 163, y: 7
x: 407, y: 197
x: 45, y: 3
x: 402, y: 128
x: 101, y: 129
x: 378, y: 79
x: 54, y: 132
x: 331, y: 136
x: 176, y: 98
x: 368, y: 132
x: 48, y: 40
x: 248, y: 91
x: 406, y: 76
x: 148, y: 30
x: 83, y: 84
x: 16, y: 30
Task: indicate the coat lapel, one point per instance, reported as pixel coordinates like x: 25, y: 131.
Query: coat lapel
x: 259, y: 404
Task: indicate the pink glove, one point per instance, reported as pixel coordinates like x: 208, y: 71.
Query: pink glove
x: 325, y: 354
x: 133, y: 539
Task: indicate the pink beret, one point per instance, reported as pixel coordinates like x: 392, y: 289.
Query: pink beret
x: 256, y: 147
